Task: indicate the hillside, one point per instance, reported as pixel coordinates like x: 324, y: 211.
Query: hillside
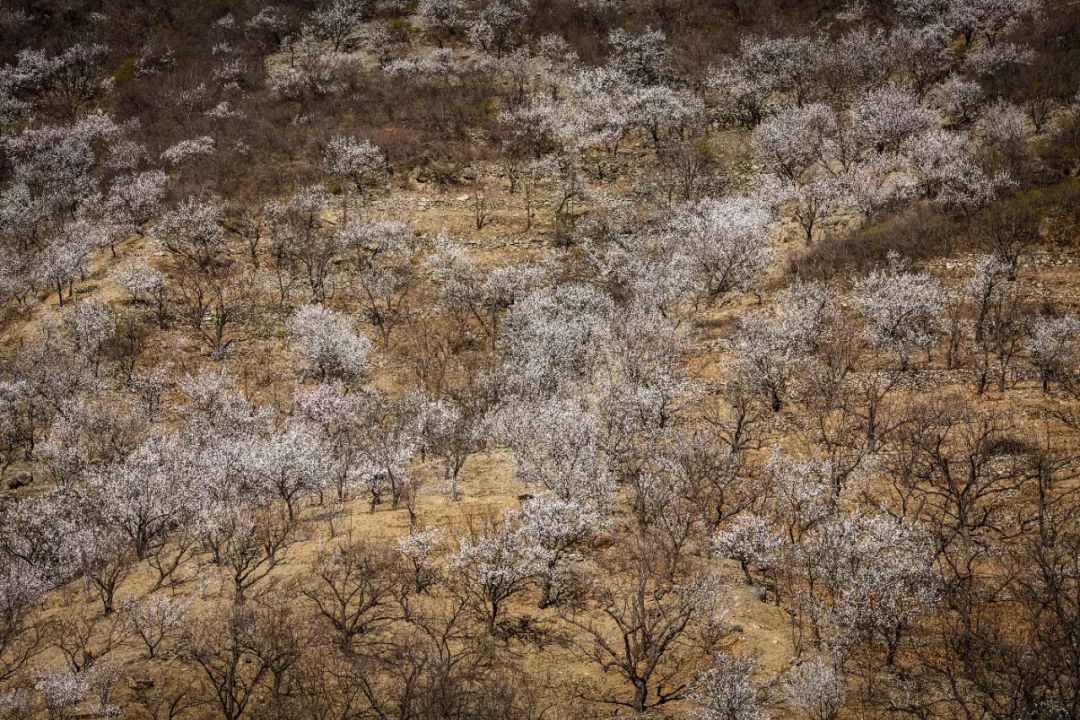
x: 539, y: 359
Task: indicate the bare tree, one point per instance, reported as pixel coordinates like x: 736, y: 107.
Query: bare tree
x: 356, y: 588
x: 645, y: 628
x: 221, y: 646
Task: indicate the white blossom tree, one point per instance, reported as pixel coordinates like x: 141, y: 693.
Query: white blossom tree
x: 301, y: 244
x: 751, y: 541
x: 91, y: 324
x: 1055, y: 349
x: 357, y: 160
x: 385, y: 461
x: 145, y: 283
x: 794, y: 140
x: 812, y: 202
x: 291, y: 463
x: 766, y: 73
x: 643, y: 57
x: 450, y: 431
x: 419, y: 547
x: 775, y: 342
x: 885, y: 117
x: 560, y: 528
x: 659, y: 108
x: 337, y: 22
x: 726, y: 241
x: 62, y: 692
x: 445, y: 16
x: 724, y: 692
x: 134, y: 199
x: 143, y: 496
x: 326, y: 343
x: 986, y: 17
x: 22, y: 589
x: 193, y: 233
x: 903, y: 310
x: 497, y: 562
x: 555, y: 339
x: 492, y: 30
x: 185, y: 150
x: 866, y: 579
x: 945, y: 164
x: 65, y: 259
x: 817, y: 688
x: 877, y: 184
x: 556, y: 445
x: 958, y: 96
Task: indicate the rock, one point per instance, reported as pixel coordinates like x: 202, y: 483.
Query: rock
x: 21, y: 479
x: 757, y: 592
